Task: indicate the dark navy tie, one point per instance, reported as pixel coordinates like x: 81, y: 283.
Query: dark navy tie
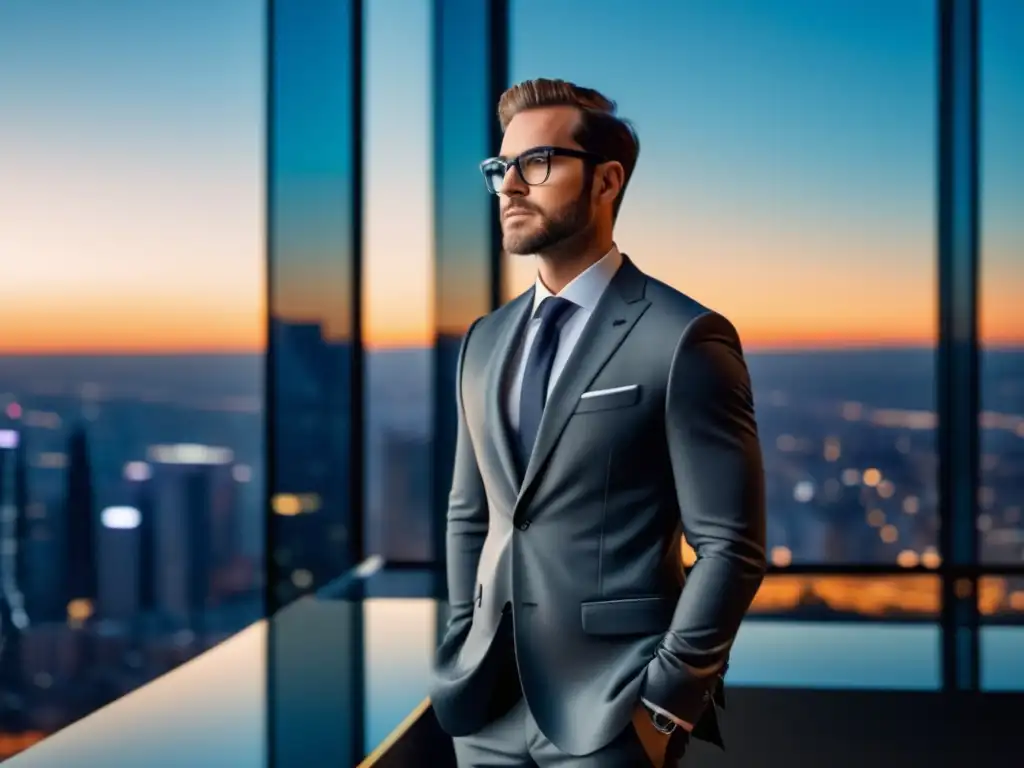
x: 553, y: 311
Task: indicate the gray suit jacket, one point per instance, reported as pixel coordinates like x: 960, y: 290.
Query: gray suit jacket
x: 583, y: 547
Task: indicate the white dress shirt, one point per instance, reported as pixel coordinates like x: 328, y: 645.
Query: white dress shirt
x: 584, y: 291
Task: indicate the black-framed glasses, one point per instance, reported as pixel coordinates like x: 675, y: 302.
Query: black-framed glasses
x: 533, y: 165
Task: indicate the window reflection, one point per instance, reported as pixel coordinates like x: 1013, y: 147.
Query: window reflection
x: 799, y: 201
x: 314, y: 533
x: 398, y: 280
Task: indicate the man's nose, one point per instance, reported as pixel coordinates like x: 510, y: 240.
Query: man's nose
x: 512, y: 185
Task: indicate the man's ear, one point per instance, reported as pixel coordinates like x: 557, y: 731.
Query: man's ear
x: 611, y: 178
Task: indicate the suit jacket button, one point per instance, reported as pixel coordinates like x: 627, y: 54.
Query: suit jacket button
x: 523, y: 525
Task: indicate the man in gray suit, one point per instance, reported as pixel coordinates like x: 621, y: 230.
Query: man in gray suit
x: 601, y: 414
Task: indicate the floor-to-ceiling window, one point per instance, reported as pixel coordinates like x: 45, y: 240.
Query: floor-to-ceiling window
x: 786, y: 179
x: 1000, y: 502
x: 132, y: 337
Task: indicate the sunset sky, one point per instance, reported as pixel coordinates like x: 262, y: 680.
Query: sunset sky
x: 787, y: 176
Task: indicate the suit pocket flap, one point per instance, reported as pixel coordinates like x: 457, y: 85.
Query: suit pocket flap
x: 627, y: 616
x: 602, y: 400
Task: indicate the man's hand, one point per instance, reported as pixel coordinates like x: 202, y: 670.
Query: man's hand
x: 655, y: 743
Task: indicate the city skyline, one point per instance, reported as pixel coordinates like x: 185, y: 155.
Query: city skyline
x: 192, y: 483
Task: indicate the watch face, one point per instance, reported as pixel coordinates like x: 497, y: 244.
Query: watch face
x: 662, y: 723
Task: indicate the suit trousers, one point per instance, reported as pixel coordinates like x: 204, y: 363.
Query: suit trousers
x: 512, y: 739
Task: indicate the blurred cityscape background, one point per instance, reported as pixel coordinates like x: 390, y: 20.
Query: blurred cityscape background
x: 136, y: 391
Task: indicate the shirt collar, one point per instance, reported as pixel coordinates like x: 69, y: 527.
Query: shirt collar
x: 586, y: 288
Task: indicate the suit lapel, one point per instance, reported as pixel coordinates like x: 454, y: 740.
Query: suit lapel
x: 616, y: 313
x: 497, y: 378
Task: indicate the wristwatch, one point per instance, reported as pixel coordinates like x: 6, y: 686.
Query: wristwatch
x: 661, y: 723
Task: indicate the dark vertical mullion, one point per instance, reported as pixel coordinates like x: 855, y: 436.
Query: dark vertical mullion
x: 958, y: 395
x: 357, y: 425
x: 441, y: 411
x: 498, y: 52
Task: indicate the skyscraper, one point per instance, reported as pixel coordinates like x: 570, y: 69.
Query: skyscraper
x: 21, y: 531
x: 14, y: 519
x: 80, y: 577
x: 193, y: 514
x: 147, y: 552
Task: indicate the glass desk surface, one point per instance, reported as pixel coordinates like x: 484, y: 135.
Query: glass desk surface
x: 349, y: 664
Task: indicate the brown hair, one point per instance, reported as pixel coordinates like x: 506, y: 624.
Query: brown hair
x: 599, y: 130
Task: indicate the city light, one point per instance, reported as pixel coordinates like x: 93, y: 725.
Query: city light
x: 781, y: 556
x: 79, y: 610
x: 930, y: 558
x: 13, y: 411
x: 8, y: 439
x: 137, y: 471
x: 872, y: 477
x: 908, y: 558
x: 121, y: 518
x: 803, y: 491
x: 191, y: 454
x: 291, y: 504
x: 833, y: 449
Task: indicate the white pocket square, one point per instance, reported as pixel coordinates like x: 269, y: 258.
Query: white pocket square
x: 612, y: 391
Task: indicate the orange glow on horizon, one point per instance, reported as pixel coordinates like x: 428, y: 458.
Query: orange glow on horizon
x: 162, y: 326
x: 158, y: 339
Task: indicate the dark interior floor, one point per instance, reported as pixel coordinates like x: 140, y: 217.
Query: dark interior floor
x: 830, y: 729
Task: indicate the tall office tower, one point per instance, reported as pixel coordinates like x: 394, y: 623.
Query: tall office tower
x: 118, y: 564
x: 14, y: 531
x: 143, y: 497
x: 22, y: 531
x: 12, y: 710
x: 193, y: 507
x: 80, y: 574
x: 13, y: 620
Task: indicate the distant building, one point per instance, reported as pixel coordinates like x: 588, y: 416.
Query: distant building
x: 193, y: 511
x: 79, y: 531
x: 403, y: 520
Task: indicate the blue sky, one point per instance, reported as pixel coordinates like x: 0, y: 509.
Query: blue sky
x: 787, y: 173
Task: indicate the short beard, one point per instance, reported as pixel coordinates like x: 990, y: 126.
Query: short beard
x: 554, y: 231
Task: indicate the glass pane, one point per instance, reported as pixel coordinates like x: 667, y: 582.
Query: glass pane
x: 1001, y: 499
x: 311, y: 298
x: 465, y: 57
x: 132, y: 336
x: 400, y: 643
x: 838, y: 640
x: 798, y: 200
x: 1001, y: 605
x: 837, y: 655
x: 397, y: 280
